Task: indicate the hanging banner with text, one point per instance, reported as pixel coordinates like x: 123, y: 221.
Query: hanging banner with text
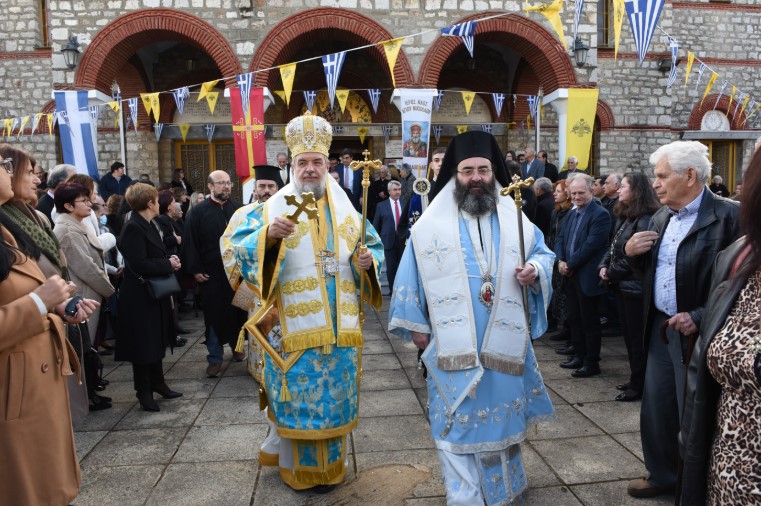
x: 416, y: 106
x: 582, y: 106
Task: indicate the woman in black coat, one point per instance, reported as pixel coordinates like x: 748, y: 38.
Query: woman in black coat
x: 636, y: 204
x: 145, y: 326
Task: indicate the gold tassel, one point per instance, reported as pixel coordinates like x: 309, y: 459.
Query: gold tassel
x: 327, y: 349
x: 241, y: 339
x: 285, y: 394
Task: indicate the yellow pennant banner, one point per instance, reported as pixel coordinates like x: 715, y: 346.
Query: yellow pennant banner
x: 391, y: 48
x: 50, y: 124
x: 619, y: 9
x: 147, y: 102
x: 155, y: 106
x: 712, y: 80
x: 690, y: 61
x: 745, y: 103
x: 752, y: 113
x: 467, y: 98
x: 461, y: 129
x: 731, y: 97
x: 8, y: 127
x: 114, y: 105
x: 342, y: 96
x: 551, y: 11
x: 211, y: 98
x: 362, y: 131
x: 528, y: 121
x: 287, y: 74
x: 281, y: 94
x: 184, y: 127
x: 206, y: 88
x: 24, y: 121
x: 582, y: 106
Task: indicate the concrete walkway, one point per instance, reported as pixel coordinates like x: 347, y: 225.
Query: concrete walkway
x: 202, y: 449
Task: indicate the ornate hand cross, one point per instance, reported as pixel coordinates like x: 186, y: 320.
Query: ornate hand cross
x: 303, y: 206
x: 515, y: 189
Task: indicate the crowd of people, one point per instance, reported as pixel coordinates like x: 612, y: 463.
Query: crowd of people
x: 670, y: 264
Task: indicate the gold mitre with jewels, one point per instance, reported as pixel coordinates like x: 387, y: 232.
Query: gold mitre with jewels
x: 308, y: 134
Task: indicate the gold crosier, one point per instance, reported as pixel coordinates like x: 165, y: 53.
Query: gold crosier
x: 367, y: 166
x: 515, y: 189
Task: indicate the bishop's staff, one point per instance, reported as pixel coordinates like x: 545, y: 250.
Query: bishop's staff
x: 367, y: 167
x: 515, y: 189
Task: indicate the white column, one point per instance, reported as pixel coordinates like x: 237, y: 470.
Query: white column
x: 558, y: 99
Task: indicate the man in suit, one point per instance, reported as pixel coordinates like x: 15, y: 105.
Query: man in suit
x: 114, y: 183
x: 348, y: 179
x: 545, y: 204
x: 532, y: 167
x: 572, y: 162
x: 285, y: 167
x: 390, y: 222
x: 550, y: 169
x: 58, y: 175
x: 579, y: 248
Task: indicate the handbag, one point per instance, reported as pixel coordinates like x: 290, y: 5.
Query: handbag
x: 162, y: 287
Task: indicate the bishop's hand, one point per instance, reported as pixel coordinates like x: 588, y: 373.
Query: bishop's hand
x: 280, y: 228
x: 364, y: 259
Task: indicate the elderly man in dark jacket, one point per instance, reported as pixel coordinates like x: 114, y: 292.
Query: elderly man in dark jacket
x: 675, y: 261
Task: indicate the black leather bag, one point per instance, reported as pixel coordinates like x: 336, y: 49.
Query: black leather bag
x: 162, y: 287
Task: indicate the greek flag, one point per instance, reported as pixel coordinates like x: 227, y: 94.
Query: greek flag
x: 76, y: 132
x: 245, y: 81
x: 209, y: 131
x: 332, y: 64
x: 157, y: 128
x: 387, y: 132
x: 94, y: 113
x: 486, y: 128
x: 701, y: 69
x: 674, y: 45
x: 180, y: 96
x: 309, y: 97
x: 499, y: 101
x: 466, y: 31
x: 532, y: 103
x: 374, y: 98
x: 643, y: 17
x: 577, y: 18
x: 132, y: 102
x: 740, y: 95
x: 437, y: 129
x: 437, y: 100
x: 721, y: 92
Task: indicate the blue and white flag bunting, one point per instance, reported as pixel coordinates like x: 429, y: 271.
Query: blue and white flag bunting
x: 701, y: 69
x: 157, y: 128
x: 338, y: 129
x: 577, y: 18
x: 387, y: 132
x: 374, y: 98
x: 94, y: 111
x: 209, y: 131
x: 437, y: 100
x: 309, y: 97
x: 739, y: 99
x: 532, y: 103
x: 62, y: 117
x: 332, y: 64
x: 437, y: 129
x: 180, y: 97
x: 132, y: 102
x: 245, y: 81
x: 36, y: 122
x: 674, y: 46
x: 76, y: 132
x: 16, y: 121
x: 499, y: 101
x: 721, y: 92
x: 643, y: 18
x: 486, y: 128
x: 466, y: 31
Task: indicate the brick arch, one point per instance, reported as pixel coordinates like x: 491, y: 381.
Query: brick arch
x: 287, y: 37
x: 699, y: 110
x: 604, y: 115
x: 113, y: 46
x: 539, y: 47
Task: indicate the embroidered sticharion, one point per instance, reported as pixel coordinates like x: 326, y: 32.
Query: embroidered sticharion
x: 349, y: 308
x: 303, y: 308
x: 293, y: 240
x: 299, y: 285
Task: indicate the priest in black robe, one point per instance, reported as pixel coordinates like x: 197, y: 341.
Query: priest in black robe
x: 204, y: 226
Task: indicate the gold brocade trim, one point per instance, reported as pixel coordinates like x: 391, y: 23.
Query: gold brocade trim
x: 322, y: 472
x: 303, y: 308
x: 348, y: 286
x: 293, y: 240
x: 349, y: 308
x: 269, y: 459
x: 348, y: 338
x: 308, y: 339
x: 349, y: 232
x: 287, y: 476
x: 316, y: 433
x: 299, y: 285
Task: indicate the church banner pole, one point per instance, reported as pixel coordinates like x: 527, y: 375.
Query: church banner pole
x: 515, y: 189
x: 367, y: 167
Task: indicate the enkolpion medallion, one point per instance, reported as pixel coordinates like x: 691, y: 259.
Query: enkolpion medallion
x: 486, y: 294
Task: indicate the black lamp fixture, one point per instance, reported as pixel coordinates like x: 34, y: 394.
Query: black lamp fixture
x: 580, y: 51
x: 70, y: 52
x: 116, y: 92
x: 664, y: 64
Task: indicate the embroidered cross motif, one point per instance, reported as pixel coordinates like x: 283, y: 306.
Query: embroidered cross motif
x: 302, y: 207
x: 437, y: 251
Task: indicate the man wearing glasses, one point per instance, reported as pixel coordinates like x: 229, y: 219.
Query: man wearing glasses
x: 204, y: 226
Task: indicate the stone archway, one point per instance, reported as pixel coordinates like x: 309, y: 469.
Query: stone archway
x: 112, y: 47
x: 702, y: 107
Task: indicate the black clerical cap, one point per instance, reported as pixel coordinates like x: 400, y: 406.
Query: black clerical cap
x: 270, y: 173
x: 469, y: 145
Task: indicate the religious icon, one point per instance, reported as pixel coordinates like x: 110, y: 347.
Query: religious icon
x: 414, y: 133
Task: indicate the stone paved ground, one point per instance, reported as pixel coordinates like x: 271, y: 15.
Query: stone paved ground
x: 202, y: 449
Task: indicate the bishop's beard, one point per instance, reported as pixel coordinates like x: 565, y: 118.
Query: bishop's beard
x: 476, y: 203
x: 317, y: 188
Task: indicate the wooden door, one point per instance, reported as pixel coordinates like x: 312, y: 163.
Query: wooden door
x: 200, y: 158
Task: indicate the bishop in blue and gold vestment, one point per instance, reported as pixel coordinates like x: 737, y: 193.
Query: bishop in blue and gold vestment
x: 310, y: 273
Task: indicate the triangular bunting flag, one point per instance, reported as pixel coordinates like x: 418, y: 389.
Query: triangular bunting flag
x: 245, y: 81
x: 184, y: 127
x: 209, y: 131
x: 16, y: 121
x: 437, y: 129
x: 528, y: 121
x: 362, y: 131
x: 157, y: 128
x: 132, y: 102
x: 24, y: 121
x: 643, y: 18
x: 8, y: 126
x: 551, y: 11
x: 499, y: 101
x: 36, y: 122
x: 712, y: 80
x: 281, y: 94
x: 343, y: 97
x: 114, y: 105
x: 738, y: 102
x: 466, y: 31
x: 155, y: 106
x: 532, y: 101
x: 690, y: 61
x: 619, y: 9
x: 374, y: 99
x: 461, y: 129
x: 745, y: 103
x: 391, y: 48
x: 206, y: 88
x: 94, y: 112
x: 721, y: 92
x: 51, y: 120
x: 287, y: 74
x: 211, y: 98
x: 332, y: 64
x: 437, y: 100
x: 147, y: 103
x: 486, y: 128
x: 701, y: 69
x: 577, y: 17
x: 180, y: 97
x: 309, y: 97
x: 467, y: 98
x: 674, y: 47
x: 731, y: 96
